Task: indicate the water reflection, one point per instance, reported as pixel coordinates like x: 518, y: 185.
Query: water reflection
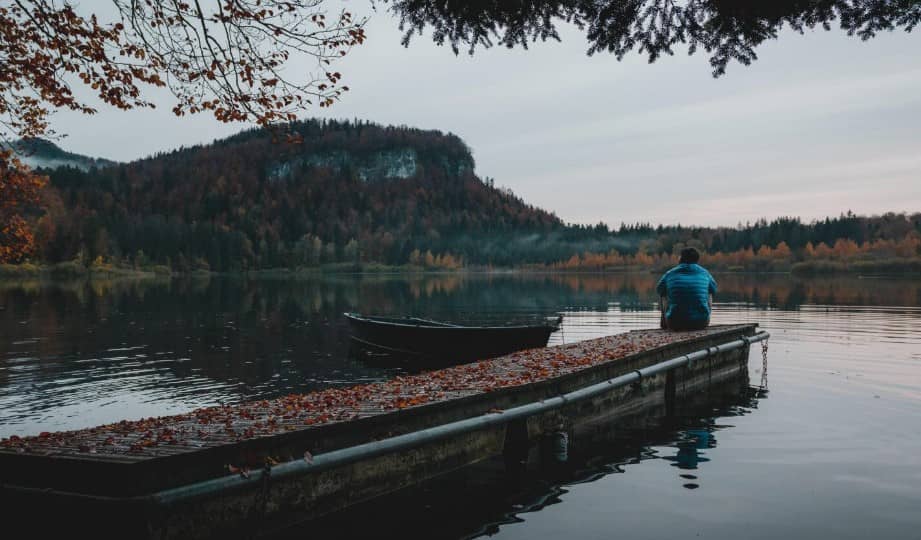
x: 493, y: 498
x: 833, y: 453
x: 78, y: 354
x: 689, y: 454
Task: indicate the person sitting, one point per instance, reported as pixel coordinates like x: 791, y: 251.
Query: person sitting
x: 686, y: 294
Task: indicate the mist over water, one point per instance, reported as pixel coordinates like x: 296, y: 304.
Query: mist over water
x: 826, y: 447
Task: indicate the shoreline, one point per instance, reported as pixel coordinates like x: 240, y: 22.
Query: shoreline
x: 69, y: 272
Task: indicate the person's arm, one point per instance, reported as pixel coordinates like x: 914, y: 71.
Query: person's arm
x: 662, y: 290
x: 711, y: 290
x: 661, y: 287
x: 663, y: 308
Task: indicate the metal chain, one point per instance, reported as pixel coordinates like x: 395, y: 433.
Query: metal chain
x: 764, y: 366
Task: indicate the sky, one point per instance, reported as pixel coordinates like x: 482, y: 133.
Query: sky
x: 820, y: 124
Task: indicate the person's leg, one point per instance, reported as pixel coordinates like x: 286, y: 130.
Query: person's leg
x: 663, y: 306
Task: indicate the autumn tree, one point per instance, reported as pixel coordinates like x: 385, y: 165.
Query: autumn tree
x: 227, y: 58
x: 19, y: 188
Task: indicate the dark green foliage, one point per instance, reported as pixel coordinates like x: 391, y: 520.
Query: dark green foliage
x: 727, y: 30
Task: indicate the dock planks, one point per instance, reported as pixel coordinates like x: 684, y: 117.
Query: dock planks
x: 212, y: 427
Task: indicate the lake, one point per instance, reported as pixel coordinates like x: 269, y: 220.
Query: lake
x: 825, y: 444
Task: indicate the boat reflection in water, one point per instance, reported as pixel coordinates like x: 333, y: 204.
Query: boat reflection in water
x: 480, y: 499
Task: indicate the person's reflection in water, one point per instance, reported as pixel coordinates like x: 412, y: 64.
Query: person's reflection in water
x: 689, y: 455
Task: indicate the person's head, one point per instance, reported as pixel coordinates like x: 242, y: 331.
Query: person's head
x: 689, y: 255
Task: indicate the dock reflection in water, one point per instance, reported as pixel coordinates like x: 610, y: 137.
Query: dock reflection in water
x: 481, y: 500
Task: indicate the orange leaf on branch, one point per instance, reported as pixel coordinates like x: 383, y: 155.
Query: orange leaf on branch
x: 20, y: 189
x: 199, y: 51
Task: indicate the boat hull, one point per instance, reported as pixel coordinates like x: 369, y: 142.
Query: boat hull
x: 437, y: 342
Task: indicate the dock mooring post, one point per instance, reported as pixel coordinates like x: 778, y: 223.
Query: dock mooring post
x: 554, y: 448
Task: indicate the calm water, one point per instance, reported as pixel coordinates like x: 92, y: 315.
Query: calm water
x: 830, y: 449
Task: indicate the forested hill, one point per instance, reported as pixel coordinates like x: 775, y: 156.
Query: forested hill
x: 348, y: 191
x: 357, y: 193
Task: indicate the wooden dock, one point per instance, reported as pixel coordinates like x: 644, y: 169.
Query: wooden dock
x: 119, y: 465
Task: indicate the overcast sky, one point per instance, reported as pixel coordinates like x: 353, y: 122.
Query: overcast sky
x: 819, y: 124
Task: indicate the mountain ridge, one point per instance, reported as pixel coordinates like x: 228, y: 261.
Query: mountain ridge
x: 40, y: 153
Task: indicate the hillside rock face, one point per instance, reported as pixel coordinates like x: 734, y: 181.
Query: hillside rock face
x: 394, y: 164
x: 381, y: 165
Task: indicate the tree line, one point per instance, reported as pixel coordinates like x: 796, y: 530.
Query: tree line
x: 353, y: 193
x: 890, y: 243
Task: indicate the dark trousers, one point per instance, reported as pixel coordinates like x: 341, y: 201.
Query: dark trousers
x: 676, y: 324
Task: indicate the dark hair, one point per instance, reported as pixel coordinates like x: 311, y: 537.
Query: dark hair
x: 689, y: 255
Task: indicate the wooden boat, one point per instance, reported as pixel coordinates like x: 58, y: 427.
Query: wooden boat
x: 413, y: 337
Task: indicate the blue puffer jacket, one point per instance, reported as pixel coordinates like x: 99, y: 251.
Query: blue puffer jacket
x: 687, y: 286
